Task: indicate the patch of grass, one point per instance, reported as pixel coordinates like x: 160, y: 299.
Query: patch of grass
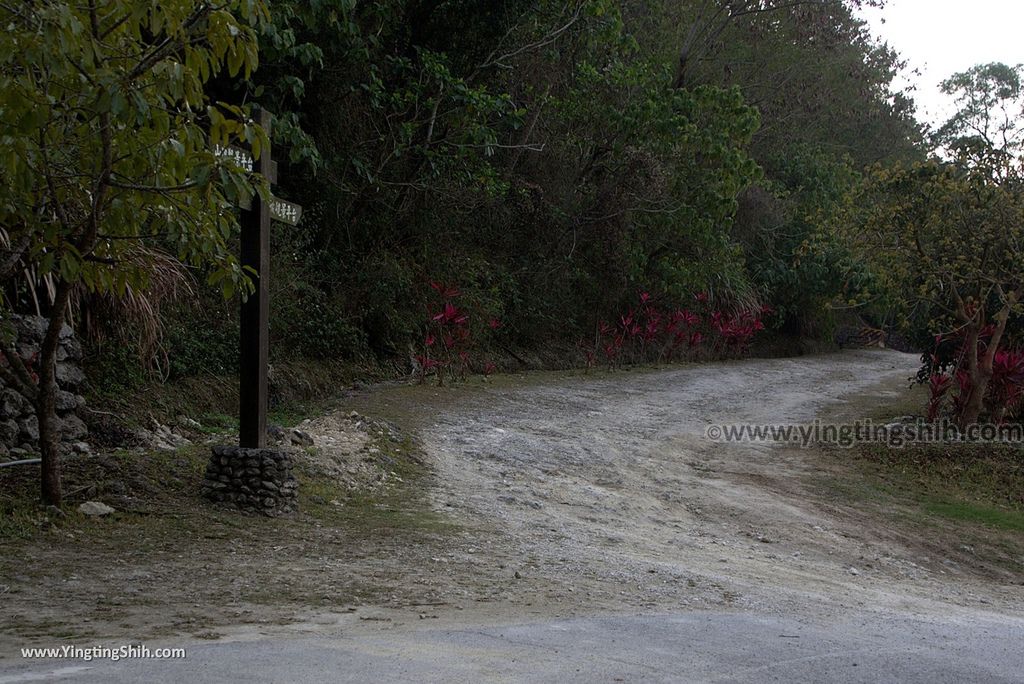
x: 946, y: 495
x: 20, y: 517
x: 989, y: 474
x: 853, y: 489
x: 299, y: 389
x: 399, y: 507
x: 215, y: 423
x: 29, y: 627
x: 974, y: 513
x: 135, y: 482
x: 293, y: 413
x: 397, y: 510
x: 952, y: 495
x: 911, y: 401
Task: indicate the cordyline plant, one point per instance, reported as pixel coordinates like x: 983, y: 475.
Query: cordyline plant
x: 1003, y: 392
x: 107, y: 155
x: 448, y: 339
x: 648, y: 332
x: 951, y: 240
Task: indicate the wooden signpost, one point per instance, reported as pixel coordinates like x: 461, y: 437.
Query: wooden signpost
x: 254, y: 343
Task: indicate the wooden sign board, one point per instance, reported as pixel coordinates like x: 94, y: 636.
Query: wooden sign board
x: 280, y: 210
x: 285, y: 212
x: 243, y: 158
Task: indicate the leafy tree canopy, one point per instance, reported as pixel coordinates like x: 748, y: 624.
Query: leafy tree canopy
x: 108, y: 154
x: 988, y: 127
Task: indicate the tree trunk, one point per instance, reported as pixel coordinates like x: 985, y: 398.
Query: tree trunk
x: 979, y: 365
x: 972, y: 404
x: 524, y: 139
x: 976, y: 400
x: 46, y: 401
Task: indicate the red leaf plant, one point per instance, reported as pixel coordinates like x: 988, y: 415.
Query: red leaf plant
x: 649, y: 333
x: 1004, y: 393
x: 449, y: 336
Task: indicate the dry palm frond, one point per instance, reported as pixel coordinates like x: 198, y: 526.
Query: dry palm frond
x: 17, y: 275
x: 734, y: 294
x: 134, y: 318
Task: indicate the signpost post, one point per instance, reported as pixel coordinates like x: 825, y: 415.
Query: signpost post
x: 254, y: 343
x: 250, y: 476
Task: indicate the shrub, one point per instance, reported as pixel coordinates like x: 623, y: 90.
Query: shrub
x: 648, y: 332
x: 951, y: 385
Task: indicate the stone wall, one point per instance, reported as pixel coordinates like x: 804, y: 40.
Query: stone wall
x: 19, y: 427
x: 255, y: 480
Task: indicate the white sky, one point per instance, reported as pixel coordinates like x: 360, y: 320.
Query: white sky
x: 942, y: 37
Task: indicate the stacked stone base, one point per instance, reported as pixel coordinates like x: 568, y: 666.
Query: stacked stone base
x: 252, y: 480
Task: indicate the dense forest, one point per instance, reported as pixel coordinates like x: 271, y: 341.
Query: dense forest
x: 549, y: 160
x: 597, y: 181
x: 553, y: 160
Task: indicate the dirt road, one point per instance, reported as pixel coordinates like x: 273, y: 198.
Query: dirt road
x: 609, y: 490
x: 578, y: 496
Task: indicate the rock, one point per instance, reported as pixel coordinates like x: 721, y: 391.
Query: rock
x: 27, y: 351
x: 32, y: 328
x: 28, y: 429
x: 164, y: 439
x: 106, y: 461
x: 186, y: 422
x: 69, y: 375
x: 277, y: 433
x: 300, y: 438
x: 853, y: 571
x: 95, y: 508
x: 66, y: 401
x: 72, y: 428
x: 8, y: 432
x: 72, y: 349
x: 12, y: 404
x: 81, y: 448
x: 255, y: 480
x: 139, y: 483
